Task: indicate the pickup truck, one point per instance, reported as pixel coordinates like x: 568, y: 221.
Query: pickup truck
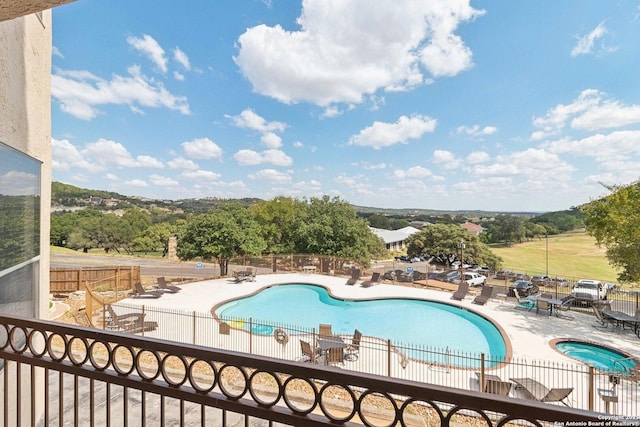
x: 475, y: 279
x: 586, y: 288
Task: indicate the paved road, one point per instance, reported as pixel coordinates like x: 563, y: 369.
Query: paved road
x: 148, y: 267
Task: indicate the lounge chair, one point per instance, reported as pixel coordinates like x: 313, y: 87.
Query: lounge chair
x: 493, y: 384
x: 567, y: 303
x: 375, y: 278
x: 537, y: 391
x: 355, y: 276
x: 459, y: 295
x: 164, y: 286
x: 484, y: 296
x: 325, y: 330
x: 523, y: 304
x: 114, y: 319
x: 142, y: 292
x: 603, y: 321
x: 353, y: 349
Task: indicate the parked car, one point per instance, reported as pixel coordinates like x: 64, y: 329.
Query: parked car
x: 475, y: 279
x: 540, y: 279
x: 523, y: 287
x: 452, y: 276
x: 519, y: 276
x: 586, y: 289
x: 402, y: 258
x: 504, y: 274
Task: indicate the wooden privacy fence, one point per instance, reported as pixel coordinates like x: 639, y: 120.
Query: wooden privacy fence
x: 64, y: 280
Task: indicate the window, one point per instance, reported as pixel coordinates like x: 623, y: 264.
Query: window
x: 20, y: 231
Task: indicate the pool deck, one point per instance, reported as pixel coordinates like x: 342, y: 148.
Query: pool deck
x: 529, y: 334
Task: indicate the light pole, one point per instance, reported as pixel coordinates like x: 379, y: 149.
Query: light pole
x: 462, y: 259
x: 546, y: 238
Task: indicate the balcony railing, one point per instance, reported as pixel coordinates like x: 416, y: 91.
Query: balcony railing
x: 57, y: 374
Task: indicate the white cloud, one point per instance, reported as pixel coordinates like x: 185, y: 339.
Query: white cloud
x: 111, y: 177
x: 339, y: 54
x: 382, y: 134
x: 271, y: 140
x: 202, y: 148
x: 331, y: 111
x: 136, y: 183
x: 80, y: 93
x: 56, y: 52
x: 250, y: 157
x: 271, y: 175
x: 163, y: 181
x: 446, y: 159
x: 587, y: 43
x: 178, y: 76
x: 590, y: 111
x: 98, y: 156
x: 298, y: 144
x: 476, y: 130
x: 535, y: 164
x: 599, y: 146
x: 182, y: 58
x: 182, y: 163
x: 17, y: 183
x: 200, y: 175
x: 149, y: 47
x: 413, y: 172
x: 478, y: 157
x: 248, y: 119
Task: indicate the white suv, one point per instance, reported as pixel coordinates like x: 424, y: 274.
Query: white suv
x: 594, y: 288
x: 475, y: 279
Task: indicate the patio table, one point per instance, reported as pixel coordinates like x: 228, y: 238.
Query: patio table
x: 621, y: 318
x: 551, y: 301
x: 327, y: 343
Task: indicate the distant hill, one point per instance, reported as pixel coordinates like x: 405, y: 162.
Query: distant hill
x: 72, y: 196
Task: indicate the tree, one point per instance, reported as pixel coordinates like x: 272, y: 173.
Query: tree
x: 154, y: 237
x: 332, y: 227
x: 507, y: 229
x: 442, y: 242
x: 614, y: 221
x: 379, y: 221
x: 221, y: 235
x: 280, y: 219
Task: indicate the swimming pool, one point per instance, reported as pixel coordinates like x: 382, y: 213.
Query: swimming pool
x: 598, y: 356
x: 404, y: 321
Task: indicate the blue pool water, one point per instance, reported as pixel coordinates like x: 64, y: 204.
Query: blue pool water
x: 599, y: 357
x: 403, y: 321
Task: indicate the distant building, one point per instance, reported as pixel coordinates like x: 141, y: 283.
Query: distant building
x: 419, y: 224
x: 472, y: 228
x: 394, y: 240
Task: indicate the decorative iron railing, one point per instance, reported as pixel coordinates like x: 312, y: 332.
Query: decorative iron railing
x: 57, y: 374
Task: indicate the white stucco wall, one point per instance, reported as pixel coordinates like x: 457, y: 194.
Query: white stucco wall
x: 25, y: 112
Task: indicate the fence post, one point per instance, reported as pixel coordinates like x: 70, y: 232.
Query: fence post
x: 194, y: 327
x: 78, y: 287
x: 482, y: 372
x: 250, y: 335
x: 388, y: 358
x: 591, y: 387
x: 143, y: 315
x: 104, y: 316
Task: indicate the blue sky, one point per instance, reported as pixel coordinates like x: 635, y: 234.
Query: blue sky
x: 444, y: 104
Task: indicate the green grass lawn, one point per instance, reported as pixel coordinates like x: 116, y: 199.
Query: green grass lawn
x: 571, y: 255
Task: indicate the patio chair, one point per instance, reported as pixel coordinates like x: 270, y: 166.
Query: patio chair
x: 308, y: 355
x: 523, y: 304
x: 375, y: 278
x: 164, y: 286
x: 567, y: 303
x: 352, y: 350
x: 335, y: 355
x: 459, y: 295
x: 603, y: 321
x: 535, y: 390
x: 325, y: 330
x: 493, y: 384
x: 115, y: 320
x: 142, y: 292
x: 544, y: 305
x: 355, y: 276
x: 484, y: 296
